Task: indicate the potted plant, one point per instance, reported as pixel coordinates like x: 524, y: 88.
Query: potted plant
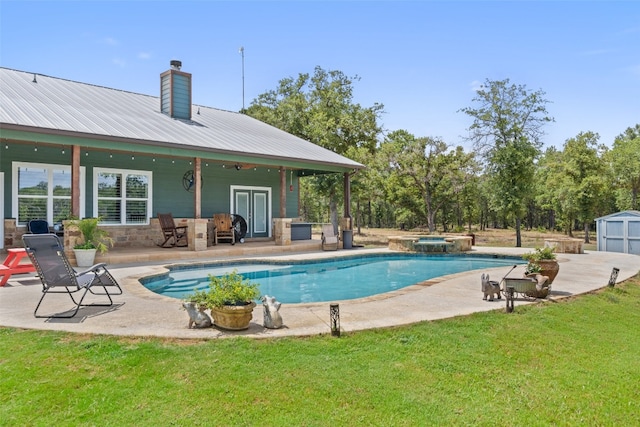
x: 532, y: 269
x: 543, y: 261
x: 231, y: 299
x: 93, y: 239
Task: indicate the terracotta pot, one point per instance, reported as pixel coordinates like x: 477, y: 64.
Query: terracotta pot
x: 233, y: 317
x: 550, y: 268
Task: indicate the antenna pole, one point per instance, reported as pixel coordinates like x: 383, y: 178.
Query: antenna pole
x: 242, y: 53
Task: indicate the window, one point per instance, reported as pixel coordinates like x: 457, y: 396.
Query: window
x: 42, y: 191
x: 123, y: 196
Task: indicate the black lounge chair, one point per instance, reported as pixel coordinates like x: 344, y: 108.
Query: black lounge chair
x: 58, y: 276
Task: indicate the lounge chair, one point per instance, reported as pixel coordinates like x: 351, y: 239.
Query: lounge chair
x: 38, y: 226
x: 329, y: 238
x: 170, y: 231
x: 224, y: 228
x: 58, y: 276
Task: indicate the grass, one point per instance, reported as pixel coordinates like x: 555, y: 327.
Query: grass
x: 569, y: 363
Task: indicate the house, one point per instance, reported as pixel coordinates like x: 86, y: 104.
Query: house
x: 619, y: 232
x: 71, y: 149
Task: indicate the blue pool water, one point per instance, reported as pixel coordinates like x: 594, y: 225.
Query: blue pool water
x: 326, y: 280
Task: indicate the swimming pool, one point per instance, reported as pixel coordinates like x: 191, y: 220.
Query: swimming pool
x: 325, y: 280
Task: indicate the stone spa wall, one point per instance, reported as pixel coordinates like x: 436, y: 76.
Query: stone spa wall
x: 431, y: 244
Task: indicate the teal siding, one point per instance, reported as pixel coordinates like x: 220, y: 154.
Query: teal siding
x: 178, y: 96
x: 165, y: 97
x: 181, y: 97
x: 292, y: 199
x: 169, y: 194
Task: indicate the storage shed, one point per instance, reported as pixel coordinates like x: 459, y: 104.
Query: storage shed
x: 619, y: 232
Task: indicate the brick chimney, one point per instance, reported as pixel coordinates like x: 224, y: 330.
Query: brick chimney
x: 175, y: 92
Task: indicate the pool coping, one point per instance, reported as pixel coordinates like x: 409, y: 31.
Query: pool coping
x: 140, y: 312
x: 170, y: 267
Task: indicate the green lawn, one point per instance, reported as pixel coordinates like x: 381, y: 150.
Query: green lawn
x: 571, y: 363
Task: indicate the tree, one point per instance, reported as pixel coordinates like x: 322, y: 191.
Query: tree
x: 425, y: 169
x: 625, y: 161
x: 320, y: 109
x: 584, y: 174
x: 506, y: 132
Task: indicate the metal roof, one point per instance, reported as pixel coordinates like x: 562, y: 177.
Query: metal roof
x: 47, y: 104
x: 620, y: 215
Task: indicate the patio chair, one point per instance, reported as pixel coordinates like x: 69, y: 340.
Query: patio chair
x: 58, y: 276
x: 38, y: 226
x: 170, y: 231
x: 224, y: 228
x: 329, y: 238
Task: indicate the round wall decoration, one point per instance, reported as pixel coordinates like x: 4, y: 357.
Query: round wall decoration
x: 188, y: 180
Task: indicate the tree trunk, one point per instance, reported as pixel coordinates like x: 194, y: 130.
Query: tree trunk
x: 333, y: 212
x: 430, y: 214
x: 358, y: 215
x: 586, y: 232
x: 518, y: 235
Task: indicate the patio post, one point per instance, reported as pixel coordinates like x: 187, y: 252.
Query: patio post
x: 283, y: 192
x: 197, y: 193
x: 75, y: 181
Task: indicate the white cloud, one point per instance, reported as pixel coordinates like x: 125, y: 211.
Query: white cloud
x: 475, y: 85
x: 119, y: 62
x: 144, y: 55
x: 110, y: 41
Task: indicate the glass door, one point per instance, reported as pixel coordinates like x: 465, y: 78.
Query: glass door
x: 253, y: 204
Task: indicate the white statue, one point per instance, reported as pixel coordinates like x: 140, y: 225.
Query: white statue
x: 272, y: 318
x: 489, y: 288
x: 197, y: 316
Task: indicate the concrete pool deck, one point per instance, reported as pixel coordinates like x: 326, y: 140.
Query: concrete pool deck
x: 140, y: 312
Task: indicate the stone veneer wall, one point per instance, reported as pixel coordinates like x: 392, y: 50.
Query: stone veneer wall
x: 124, y: 236
x: 410, y: 244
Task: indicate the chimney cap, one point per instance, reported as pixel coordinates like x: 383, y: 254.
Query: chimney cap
x: 175, y: 64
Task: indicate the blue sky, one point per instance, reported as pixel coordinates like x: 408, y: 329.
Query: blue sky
x: 421, y: 59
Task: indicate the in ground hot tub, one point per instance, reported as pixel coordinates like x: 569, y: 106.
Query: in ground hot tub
x: 431, y: 244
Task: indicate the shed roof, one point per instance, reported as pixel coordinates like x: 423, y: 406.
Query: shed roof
x: 38, y: 103
x: 620, y: 215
